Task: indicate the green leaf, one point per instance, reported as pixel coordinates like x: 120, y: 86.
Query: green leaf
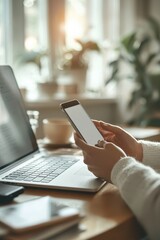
x: 142, y: 45
x: 128, y: 42
x: 127, y: 59
x: 151, y: 57
x: 113, y: 63
x: 113, y: 77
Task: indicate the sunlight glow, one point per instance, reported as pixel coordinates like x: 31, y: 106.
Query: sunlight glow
x: 30, y: 43
x: 74, y: 30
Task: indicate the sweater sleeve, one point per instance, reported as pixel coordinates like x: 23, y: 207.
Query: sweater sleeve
x: 139, y: 186
x: 151, y: 153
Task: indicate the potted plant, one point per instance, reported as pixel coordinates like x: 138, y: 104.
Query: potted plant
x: 141, y: 51
x: 74, y: 62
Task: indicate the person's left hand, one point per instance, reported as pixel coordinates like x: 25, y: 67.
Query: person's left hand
x: 100, y: 161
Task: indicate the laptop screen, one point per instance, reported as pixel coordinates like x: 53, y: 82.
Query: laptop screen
x: 17, y: 139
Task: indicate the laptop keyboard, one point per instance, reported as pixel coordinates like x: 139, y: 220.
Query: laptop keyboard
x: 43, y: 170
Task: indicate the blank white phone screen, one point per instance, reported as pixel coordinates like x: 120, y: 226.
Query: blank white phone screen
x: 84, y: 124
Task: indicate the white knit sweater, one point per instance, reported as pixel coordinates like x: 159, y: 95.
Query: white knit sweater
x: 139, y: 185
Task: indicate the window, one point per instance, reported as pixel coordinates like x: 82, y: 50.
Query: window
x: 31, y: 41
x: 35, y: 43
x: 75, y: 22
x: 24, y: 27
x: 35, y: 24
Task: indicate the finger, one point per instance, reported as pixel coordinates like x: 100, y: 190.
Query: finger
x: 77, y: 139
x: 95, y: 121
x: 110, y: 127
x: 101, y: 143
x: 91, y: 168
x: 81, y: 143
x: 108, y: 145
x: 97, y: 124
x: 78, y: 135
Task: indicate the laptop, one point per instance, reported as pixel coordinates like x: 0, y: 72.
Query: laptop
x: 21, y: 161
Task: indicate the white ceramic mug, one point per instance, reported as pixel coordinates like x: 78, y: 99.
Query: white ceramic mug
x: 57, y: 130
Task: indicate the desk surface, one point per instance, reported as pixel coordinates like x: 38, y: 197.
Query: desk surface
x: 106, y: 214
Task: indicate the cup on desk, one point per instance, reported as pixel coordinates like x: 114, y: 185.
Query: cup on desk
x: 57, y: 130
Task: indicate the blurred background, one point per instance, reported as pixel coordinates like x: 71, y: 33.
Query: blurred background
x: 106, y: 53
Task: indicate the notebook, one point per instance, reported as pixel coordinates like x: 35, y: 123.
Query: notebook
x: 21, y: 161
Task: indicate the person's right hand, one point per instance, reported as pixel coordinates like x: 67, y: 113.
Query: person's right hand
x: 121, y: 138
x: 100, y: 160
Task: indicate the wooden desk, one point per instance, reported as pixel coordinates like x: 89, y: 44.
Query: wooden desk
x: 106, y: 214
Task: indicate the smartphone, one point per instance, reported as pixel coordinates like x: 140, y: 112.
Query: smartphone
x: 81, y: 121
x: 36, y: 213
x: 9, y: 192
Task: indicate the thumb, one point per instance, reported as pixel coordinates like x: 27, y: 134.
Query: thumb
x: 111, y: 128
x: 80, y: 142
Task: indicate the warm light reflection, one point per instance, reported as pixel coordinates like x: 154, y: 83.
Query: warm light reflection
x: 74, y: 29
x: 28, y: 3
x: 75, y: 21
x: 30, y: 43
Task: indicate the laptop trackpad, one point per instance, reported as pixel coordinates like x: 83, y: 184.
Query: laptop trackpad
x: 83, y: 171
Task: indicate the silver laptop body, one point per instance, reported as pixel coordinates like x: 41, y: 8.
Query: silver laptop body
x: 21, y: 161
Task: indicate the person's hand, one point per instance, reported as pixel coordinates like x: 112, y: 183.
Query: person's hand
x: 100, y: 161
x: 121, y: 138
